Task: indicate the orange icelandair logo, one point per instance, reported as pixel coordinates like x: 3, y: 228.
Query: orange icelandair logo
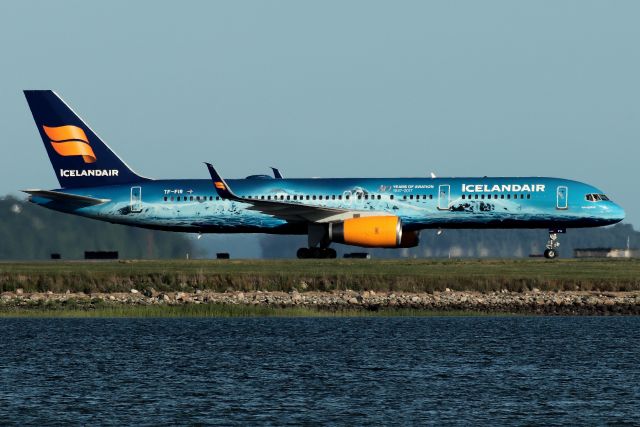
x: 70, y: 141
x: 219, y: 185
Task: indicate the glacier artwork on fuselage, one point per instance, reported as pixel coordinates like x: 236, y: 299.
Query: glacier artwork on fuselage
x: 365, y: 212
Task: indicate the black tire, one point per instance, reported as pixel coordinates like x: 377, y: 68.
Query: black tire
x: 303, y: 253
x: 550, y: 253
x: 331, y: 253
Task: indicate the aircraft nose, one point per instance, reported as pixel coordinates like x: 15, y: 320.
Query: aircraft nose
x: 617, y: 213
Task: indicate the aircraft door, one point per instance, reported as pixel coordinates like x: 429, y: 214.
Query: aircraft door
x: 444, y: 197
x: 562, y: 197
x: 136, y: 199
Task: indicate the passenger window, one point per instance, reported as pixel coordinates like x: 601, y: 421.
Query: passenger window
x: 508, y: 196
x: 314, y: 197
x: 172, y: 198
x: 482, y: 196
x: 463, y: 197
x: 346, y: 197
x: 502, y: 196
x: 404, y: 197
x: 217, y: 197
x: 391, y: 197
x: 476, y: 197
x: 528, y: 196
x: 268, y: 197
x: 339, y: 197
x: 210, y: 198
x: 333, y: 197
x: 165, y: 198
x: 379, y: 197
x: 178, y: 198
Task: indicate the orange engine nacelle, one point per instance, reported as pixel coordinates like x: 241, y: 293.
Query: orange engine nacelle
x: 372, y: 232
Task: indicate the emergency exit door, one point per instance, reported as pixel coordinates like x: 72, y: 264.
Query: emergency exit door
x: 444, y: 197
x: 562, y: 197
x: 136, y: 199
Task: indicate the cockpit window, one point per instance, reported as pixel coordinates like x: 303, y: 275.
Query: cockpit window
x: 596, y: 197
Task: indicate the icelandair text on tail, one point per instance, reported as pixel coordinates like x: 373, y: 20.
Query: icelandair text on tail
x: 88, y: 172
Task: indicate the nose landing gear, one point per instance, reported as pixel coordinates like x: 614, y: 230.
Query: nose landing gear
x: 552, y: 244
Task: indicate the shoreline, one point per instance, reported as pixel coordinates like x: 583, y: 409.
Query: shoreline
x: 203, y: 303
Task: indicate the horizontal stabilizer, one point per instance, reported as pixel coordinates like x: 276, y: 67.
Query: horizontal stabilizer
x: 66, y: 197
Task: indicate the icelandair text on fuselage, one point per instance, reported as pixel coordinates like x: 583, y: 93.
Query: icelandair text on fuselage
x: 88, y: 172
x: 502, y: 188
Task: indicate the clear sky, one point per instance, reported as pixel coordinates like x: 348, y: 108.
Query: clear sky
x: 334, y: 88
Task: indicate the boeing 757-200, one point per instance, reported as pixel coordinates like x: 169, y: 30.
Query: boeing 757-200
x: 366, y: 212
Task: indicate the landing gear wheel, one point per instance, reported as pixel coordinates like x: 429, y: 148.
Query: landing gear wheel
x: 316, y: 253
x: 304, y: 253
x: 553, y: 244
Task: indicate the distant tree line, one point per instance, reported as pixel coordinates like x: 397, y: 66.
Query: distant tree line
x: 31, y: 232
x: 475, y: 243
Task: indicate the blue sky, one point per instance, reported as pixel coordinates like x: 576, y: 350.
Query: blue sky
x: 334, y: 88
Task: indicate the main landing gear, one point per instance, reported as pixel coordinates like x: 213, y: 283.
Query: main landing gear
x: 318, y: 244
x: 318, y: 253
x: 552, y: 244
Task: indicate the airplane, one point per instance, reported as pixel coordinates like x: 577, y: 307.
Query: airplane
x: 366, y: 212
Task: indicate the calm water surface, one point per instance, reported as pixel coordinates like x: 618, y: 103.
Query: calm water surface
x: 473, y: 370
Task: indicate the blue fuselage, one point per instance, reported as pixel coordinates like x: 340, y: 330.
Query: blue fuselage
x: 194, y: 205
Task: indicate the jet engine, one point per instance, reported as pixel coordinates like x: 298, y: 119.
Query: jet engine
x: 373, y: 232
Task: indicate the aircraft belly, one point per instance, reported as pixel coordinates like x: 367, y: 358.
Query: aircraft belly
x: 231, y: 216
x: 191, y: 216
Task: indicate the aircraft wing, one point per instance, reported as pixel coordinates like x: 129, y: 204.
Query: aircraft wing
x: 287, y: 210
x: 276, y: 173
x: 66, y: 197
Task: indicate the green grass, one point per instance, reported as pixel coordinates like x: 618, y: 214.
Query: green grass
x: 322, y: 275
x: 208, y: 310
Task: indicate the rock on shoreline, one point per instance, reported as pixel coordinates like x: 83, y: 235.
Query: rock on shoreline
x: 534, y: 302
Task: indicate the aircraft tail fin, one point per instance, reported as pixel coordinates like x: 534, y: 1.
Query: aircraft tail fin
x: 78, y: 156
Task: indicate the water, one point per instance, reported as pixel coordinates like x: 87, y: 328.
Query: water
x: 466, y: 370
